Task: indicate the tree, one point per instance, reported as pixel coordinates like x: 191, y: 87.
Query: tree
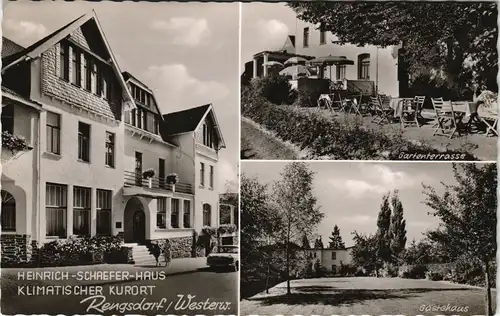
x: 305, y: 242
x: 259, y: 224
x: 296, y: 205
x: 441, y: 35
x: 467, y: 211
x: 397, y: 228
x: 335, y: 239
x: 318, y: 243
x: 365, y: 252
x: 318, y: 269
x: 383, y: 230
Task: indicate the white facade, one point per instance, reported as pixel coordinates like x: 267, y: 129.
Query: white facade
x: 383, y: 62
x: 330, y: 259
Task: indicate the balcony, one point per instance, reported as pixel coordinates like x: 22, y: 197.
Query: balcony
x: 135, y: 184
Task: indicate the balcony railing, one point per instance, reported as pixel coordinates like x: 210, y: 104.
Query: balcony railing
x: 135, y: 179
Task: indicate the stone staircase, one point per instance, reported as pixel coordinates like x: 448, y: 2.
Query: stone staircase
x: 141, y: 254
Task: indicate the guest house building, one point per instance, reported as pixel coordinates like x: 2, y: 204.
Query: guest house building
x: 330, y: 259
x: 91, y: 131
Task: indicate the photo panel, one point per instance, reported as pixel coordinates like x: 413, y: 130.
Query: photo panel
x: 318, y: 83
x: 366, y: 238
x: 120, y: 160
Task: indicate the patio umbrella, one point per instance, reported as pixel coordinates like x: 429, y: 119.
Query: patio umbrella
x: 295, y: 61
x: 329, y: 61
x: 273, y: 63
x: 295, y: 70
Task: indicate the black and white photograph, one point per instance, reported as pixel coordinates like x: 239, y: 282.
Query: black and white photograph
x: 120, y: 159
x: 368, y: 80
x: 366, y: 238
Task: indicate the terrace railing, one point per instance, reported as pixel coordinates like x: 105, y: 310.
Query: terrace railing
x: 135, y: 179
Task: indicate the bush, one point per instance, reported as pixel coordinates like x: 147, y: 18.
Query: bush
x: 471, y: 272
x: 322, y: 136
x: 434, y: 276
x: 80, y: 250
x: 389, y: 270
x: 276, y: 89
x: 413, y: 272
x: 347, y: 270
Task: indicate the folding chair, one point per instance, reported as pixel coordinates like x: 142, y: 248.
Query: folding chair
x: 446, y: 115
x: 419, y: 100
x: 491, y: 128
x: 382, y: 111
x: 355, y: 105
x: 409, y: 116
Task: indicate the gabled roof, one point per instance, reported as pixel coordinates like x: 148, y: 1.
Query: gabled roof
x: 128, y: 76
x: 189, y: 120
x: 9, y: 47
x: 35, y: 50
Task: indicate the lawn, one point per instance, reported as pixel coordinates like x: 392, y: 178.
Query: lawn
x: 367, y: 296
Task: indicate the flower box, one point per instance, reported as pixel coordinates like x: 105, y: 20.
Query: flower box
x: 172, y: 178
x: 149, y: 173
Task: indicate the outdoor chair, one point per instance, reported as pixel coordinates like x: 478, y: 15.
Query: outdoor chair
x: 326, y: 101
x: 419, y: 100
x: 359, y: 107
x: 448, y: 121
x: 410, y: 113
x: 382, y: 110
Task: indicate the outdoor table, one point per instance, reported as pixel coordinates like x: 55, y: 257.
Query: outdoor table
x: 478, y: 113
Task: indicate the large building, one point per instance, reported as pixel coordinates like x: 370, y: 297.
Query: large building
x: 91, y: 132
x: 377, y: 66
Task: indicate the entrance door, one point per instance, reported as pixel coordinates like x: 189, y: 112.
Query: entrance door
x: 139, y: 226
x: 138, y: 168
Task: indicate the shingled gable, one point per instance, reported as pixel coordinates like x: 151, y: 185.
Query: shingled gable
x: 10, y: 47
x: 35, y: 51
x: 189, y: 120
x: 127, y: 76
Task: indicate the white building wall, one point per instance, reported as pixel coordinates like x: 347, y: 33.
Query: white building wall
x: 383, y: 61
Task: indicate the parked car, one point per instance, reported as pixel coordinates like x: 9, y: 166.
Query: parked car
x: 225, y: 257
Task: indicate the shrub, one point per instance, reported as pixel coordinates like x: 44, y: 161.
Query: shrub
x: 347, y: 270
x: 276, y: 89
x: 389, y: 270
x: 471, y: 272
x: 413, y: 272
x: 434, y: 276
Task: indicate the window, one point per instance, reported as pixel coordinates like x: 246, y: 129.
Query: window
x: 81, y: 211
x: 202, y: 174
x: 75, y: 67
x: 83, y: 142
x: 334, y: 255
x: 364, y: 66
x: 187, y: 214
x: 8, y: 118
x: 93, y: 77
x: 322, y: 36
x: 225, y: 214
x: 8, y: 212
x: 306, y: 37
x: 211, y: 177
x: 161, y: 173
x: 63, y: 61
x: 174, y: 214
x: 207, y: 214
x: 341, y: 72
x: 110, y: 150
x: 53, y: 133
x: 103, y: 209
x: 151, y: 125
x: 161, y: 216
x: 87, y: 73
x: 105, y: 84
x: 139, y: 117
x: 56, y: 207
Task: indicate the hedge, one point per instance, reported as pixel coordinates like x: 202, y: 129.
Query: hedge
x: 348, y: 140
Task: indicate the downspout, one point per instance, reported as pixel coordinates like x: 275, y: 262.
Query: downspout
x: 39, y: 182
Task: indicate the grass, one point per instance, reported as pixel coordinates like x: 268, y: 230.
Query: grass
x: 256, y: 143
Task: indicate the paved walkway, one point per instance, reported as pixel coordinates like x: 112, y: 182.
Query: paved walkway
x: 366, y: 295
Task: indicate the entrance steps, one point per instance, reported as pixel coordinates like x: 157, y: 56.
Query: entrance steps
x: 141, y: 254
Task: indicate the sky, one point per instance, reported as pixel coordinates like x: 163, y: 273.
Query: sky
x: 350, y: 193
x: 264, y: 26
x: 187, y: 53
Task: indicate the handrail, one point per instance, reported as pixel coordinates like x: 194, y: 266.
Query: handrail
x: 136, y: 179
